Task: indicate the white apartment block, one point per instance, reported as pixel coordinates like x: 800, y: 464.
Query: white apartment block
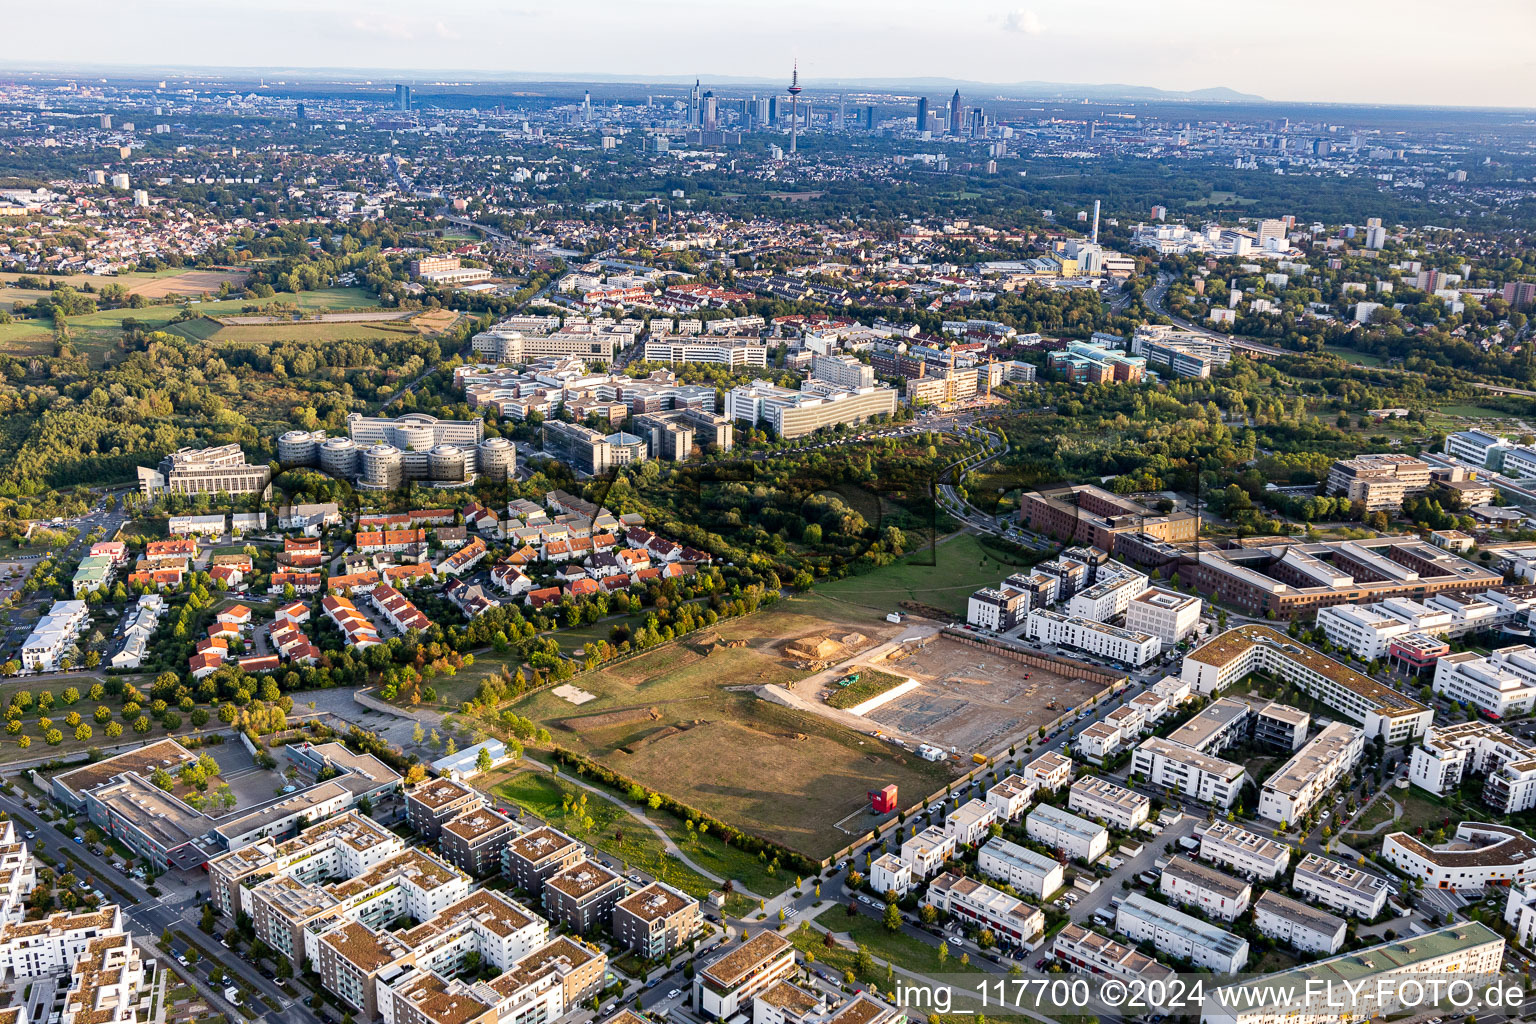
x: 1031, y: 873
x: 1520, y: 914
x: 1302, y: 927
x: 1112, y: 642
x: 1107, y: 599
x: 54, y: 944
x: 1161, y: 613
x: 1074, y: 836
x: 1504, y: 683
x: 1013, y: 921
x: 1193, y: 884
x: 52, y: 635
x: 1340, y: 886
x: 1180, y: 935
x: 1297, y: 787
x: 889, y: 873
x: 1091, y: 953
x: 1449, y: 753
x: 1245, y: 649
x: 928, y: 851
x: 1190, y: 772
x: 1482, y: 854
x: 1114, y: 805
x: 1049, y: 771
x: 729, y: 982
x: 1099, y: 742
x: 967, y: 824
x: 1011, y: 797
x: 1245, y: 852
x: 1465, y: 951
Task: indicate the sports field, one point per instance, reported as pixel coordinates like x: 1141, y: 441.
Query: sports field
x: 684, y: 720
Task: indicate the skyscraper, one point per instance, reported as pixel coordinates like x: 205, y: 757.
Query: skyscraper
x: 869, y: 118
x: 1094, y: 237
x: 709, y: 117
x: 922, y: 113
x: 693, y: 103
x: 842, y: 113
x: 586, y: 107
x: 954, y: 114
x: 794, y: 109
x: 773, y: 110
x: 402, y: 97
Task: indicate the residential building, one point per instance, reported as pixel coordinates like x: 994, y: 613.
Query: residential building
x: 1200, y: 776
x: 1214, y: 893
x: 1450, y: 753
x: 1299, y: 926
x: 1340, y: 886
x: 535, y: 856
x: 1121, y: 645
x: 1011, y: 797
x: 1011, y: 920
x: 1238, y: 652
x: 1245, y: 852
x: 997, y: 609
x: 728, y: 983
x: 582, y: 896
x: 1072, y: 835
x: 656, y: 920
x: 1302, y: 782
x: 968, y: 823
x: 1030, y: 873
x: 1468, y: 952
x: 1170, y: 617
x: 1180, y: 935
x: 1114, y: 805
x: 928, y: 851
x: 473, y: 842
x: 889, y: 873
x: 1091, y: 953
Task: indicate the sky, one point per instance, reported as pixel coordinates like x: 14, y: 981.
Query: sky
x: 1415, y: 52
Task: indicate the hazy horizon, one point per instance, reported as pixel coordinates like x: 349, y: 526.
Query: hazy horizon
x: 1368, y: 52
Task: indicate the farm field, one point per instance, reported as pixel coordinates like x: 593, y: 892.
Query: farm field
x: 680, y: 719
x: 963, y: 566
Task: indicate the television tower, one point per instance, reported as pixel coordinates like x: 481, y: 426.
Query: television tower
x: 794, y: 108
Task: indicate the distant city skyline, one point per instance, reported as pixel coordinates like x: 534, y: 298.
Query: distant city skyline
x: 1366, y: 51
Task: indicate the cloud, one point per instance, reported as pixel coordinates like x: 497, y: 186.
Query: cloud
x: 444, y: 32
x: 1023, y: 21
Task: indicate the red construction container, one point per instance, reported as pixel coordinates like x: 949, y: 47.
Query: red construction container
x: 883, y: 801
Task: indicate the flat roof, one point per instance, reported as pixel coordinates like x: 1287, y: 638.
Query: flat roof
x: 1195, y: 873
x: 1300, y: 913
x: 1225, y: 833
x: 1201, y: 728
x: 730, y: 968
x: 1322, y: 751
x: 1107, y: 792
x: 1066, y: 822
x: 656, y: 900
x: 1194, y: 929
x: 165, y: 754
x: 1184, y: 755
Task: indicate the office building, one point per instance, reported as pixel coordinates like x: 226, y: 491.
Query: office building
x: 817, y: 404
x: 843, y: 370
x: 1478, y: 448
x: 1185, y: 353
x: 221, y: 470
x: 1086, y: 514
x: 1379, y: 482
x: 735, y: 353
x: 591, y: 451
x: 1501, y: 684
x: 1180, y: 935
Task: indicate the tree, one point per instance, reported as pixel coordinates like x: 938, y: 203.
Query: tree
x: 892, y: 917
x: 943, y: 953
x: 210, y: 919
x: 483, y: 761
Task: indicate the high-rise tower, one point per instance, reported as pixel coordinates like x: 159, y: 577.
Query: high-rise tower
x: 954, y: 114
x: 794, y: 109
x: 922, y: 114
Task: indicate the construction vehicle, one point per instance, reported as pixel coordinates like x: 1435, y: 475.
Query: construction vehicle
x: 849, y: 679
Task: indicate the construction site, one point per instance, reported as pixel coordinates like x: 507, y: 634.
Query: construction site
x: 971, y: 697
